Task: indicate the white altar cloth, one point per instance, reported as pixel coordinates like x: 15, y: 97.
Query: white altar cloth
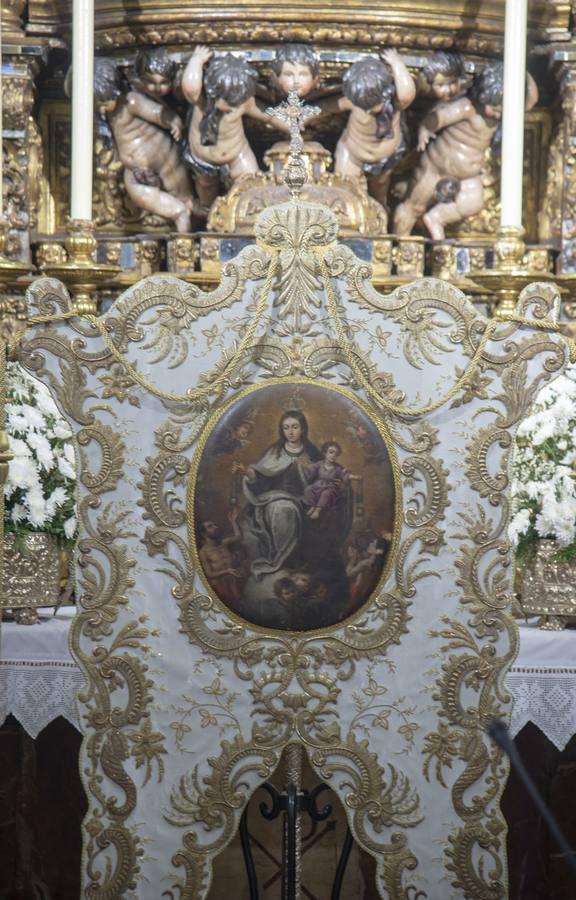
x: 39, y: 679
x: 542, y: 682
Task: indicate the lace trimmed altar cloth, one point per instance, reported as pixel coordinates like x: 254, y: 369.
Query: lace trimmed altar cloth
x: 542, y: 682
x: 38, y: 679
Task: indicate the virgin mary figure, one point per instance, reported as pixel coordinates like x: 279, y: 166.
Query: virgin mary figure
x: 272, y: 523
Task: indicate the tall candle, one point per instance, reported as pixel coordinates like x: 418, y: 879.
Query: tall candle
x: 513, y: 113
x: 1, y: 122
x: 82, y: 108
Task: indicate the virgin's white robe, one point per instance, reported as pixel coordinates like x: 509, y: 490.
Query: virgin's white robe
x: 272, y: 522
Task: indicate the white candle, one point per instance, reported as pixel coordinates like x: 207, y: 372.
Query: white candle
x: 82, y: 108
x: 513, y: 113
x: 1, y: 122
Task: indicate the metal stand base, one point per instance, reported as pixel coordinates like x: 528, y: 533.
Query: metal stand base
x: 292, y: 803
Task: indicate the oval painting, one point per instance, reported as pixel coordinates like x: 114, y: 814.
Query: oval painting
x: 293, y: 507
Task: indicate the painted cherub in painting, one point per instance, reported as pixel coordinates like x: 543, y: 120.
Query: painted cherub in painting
x: 237, y: 435
x: 146, y: 132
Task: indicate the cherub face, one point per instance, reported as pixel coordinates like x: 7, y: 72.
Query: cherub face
x: 243, y: 430
x: 302, y: 581
x: 445, y: 87
x: 156, y: 85
x: 296, y: 77
x: 288, y: 594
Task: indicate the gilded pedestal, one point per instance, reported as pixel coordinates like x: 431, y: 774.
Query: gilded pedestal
x: 548, y: 587
x: 31, y: 575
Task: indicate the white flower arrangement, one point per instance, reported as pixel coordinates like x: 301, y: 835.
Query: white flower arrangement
x: 39, y: 494
x: 544, y: 466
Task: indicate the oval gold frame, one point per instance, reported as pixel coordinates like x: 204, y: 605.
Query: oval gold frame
x: 213, y: 420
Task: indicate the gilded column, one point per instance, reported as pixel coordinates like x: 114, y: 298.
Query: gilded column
x: 568, y: 200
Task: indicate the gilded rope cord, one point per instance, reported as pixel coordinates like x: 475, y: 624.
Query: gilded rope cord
x: 191, y: 395
x: 397, y: 408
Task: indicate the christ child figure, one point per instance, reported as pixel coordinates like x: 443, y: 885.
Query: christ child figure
x: 447, y: 184
x: 147, y: 132
x: 376, y: 90
x: 221, y: 90
x: 327, y: 481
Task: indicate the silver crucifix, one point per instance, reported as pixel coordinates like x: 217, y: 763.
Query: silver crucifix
x: 294, y: 113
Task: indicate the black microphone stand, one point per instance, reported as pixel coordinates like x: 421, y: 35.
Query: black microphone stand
x: 498, y: 731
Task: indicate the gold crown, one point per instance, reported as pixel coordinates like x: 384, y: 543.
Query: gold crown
x: 295, y: 400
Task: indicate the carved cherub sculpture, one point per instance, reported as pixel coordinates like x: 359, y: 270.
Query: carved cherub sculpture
x: 376, y: 90
x: 221, y: 89
x: 442, y: 80
x: 146, y: 131
x: 296, y: 68
x: 447, y: 184
x: 443, y: 77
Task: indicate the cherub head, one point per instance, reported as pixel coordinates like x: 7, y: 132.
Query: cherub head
x: 488, y: 88
x: 369, y: 84
x: 228, y: 82
x: 285, y: 590
x: 443, y: 75
x: 321, y: 591
x: 243, y: 430
x: 352, y: 552
x: 108, y: 84
x: 377, y: 547
x: 330, y: 451
x: 155, y: 72
x: 296, y: 68
x: 302, y: 581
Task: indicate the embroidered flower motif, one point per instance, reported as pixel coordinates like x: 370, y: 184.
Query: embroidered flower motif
x: 148, y: 747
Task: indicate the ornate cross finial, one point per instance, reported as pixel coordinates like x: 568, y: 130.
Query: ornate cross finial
x: 294, y: 113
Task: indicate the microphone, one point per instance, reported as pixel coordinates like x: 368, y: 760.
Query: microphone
x: 498, y: 731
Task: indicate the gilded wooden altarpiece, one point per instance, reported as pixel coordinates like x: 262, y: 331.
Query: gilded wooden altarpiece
x: 191, y: 692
